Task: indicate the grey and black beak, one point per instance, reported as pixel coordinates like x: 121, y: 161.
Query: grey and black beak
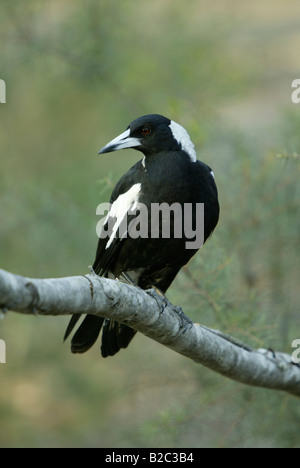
x: 121, y: 142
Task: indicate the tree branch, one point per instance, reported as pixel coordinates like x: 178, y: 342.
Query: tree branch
x: 134, y: 307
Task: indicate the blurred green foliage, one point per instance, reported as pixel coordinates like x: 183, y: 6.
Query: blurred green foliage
x: 77, y: 73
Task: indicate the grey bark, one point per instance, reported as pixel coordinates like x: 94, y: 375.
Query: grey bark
x: 134, y: 307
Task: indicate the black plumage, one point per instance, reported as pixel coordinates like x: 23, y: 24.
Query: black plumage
x: 169, y: 173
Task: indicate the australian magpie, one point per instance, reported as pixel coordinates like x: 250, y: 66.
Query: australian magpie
x: 168, y: 173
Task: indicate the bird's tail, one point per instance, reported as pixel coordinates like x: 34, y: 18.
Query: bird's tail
x: 87, y: 333
x: 114, y: 335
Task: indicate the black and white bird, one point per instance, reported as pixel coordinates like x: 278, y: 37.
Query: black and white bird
x: 168, y: 173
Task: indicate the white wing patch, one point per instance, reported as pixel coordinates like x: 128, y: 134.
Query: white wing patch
x: 181, y: 135
x: 121, y: 206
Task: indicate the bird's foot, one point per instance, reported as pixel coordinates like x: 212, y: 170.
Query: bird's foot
x: 163, y: 303
x: 159, y: 297
x: 186, y: 322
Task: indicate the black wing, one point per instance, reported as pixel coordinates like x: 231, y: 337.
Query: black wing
x: 106, y: 256
x: 115, y: 335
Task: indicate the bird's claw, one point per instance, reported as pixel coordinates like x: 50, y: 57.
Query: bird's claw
x: 186, y: 322
x: 163, y: 303
x: 161, y: 300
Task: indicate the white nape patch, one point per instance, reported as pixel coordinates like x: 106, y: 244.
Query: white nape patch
x: 181, y: 135
x: 121, y: 206
x: 144, y: 162
x: 212, y: 173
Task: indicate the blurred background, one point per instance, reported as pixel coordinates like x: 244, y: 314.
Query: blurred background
x: 77, y: 73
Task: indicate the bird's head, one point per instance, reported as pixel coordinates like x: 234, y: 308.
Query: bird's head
x: 153, y: 133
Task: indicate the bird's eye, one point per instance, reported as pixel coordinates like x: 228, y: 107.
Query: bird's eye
x: 146, y: 131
